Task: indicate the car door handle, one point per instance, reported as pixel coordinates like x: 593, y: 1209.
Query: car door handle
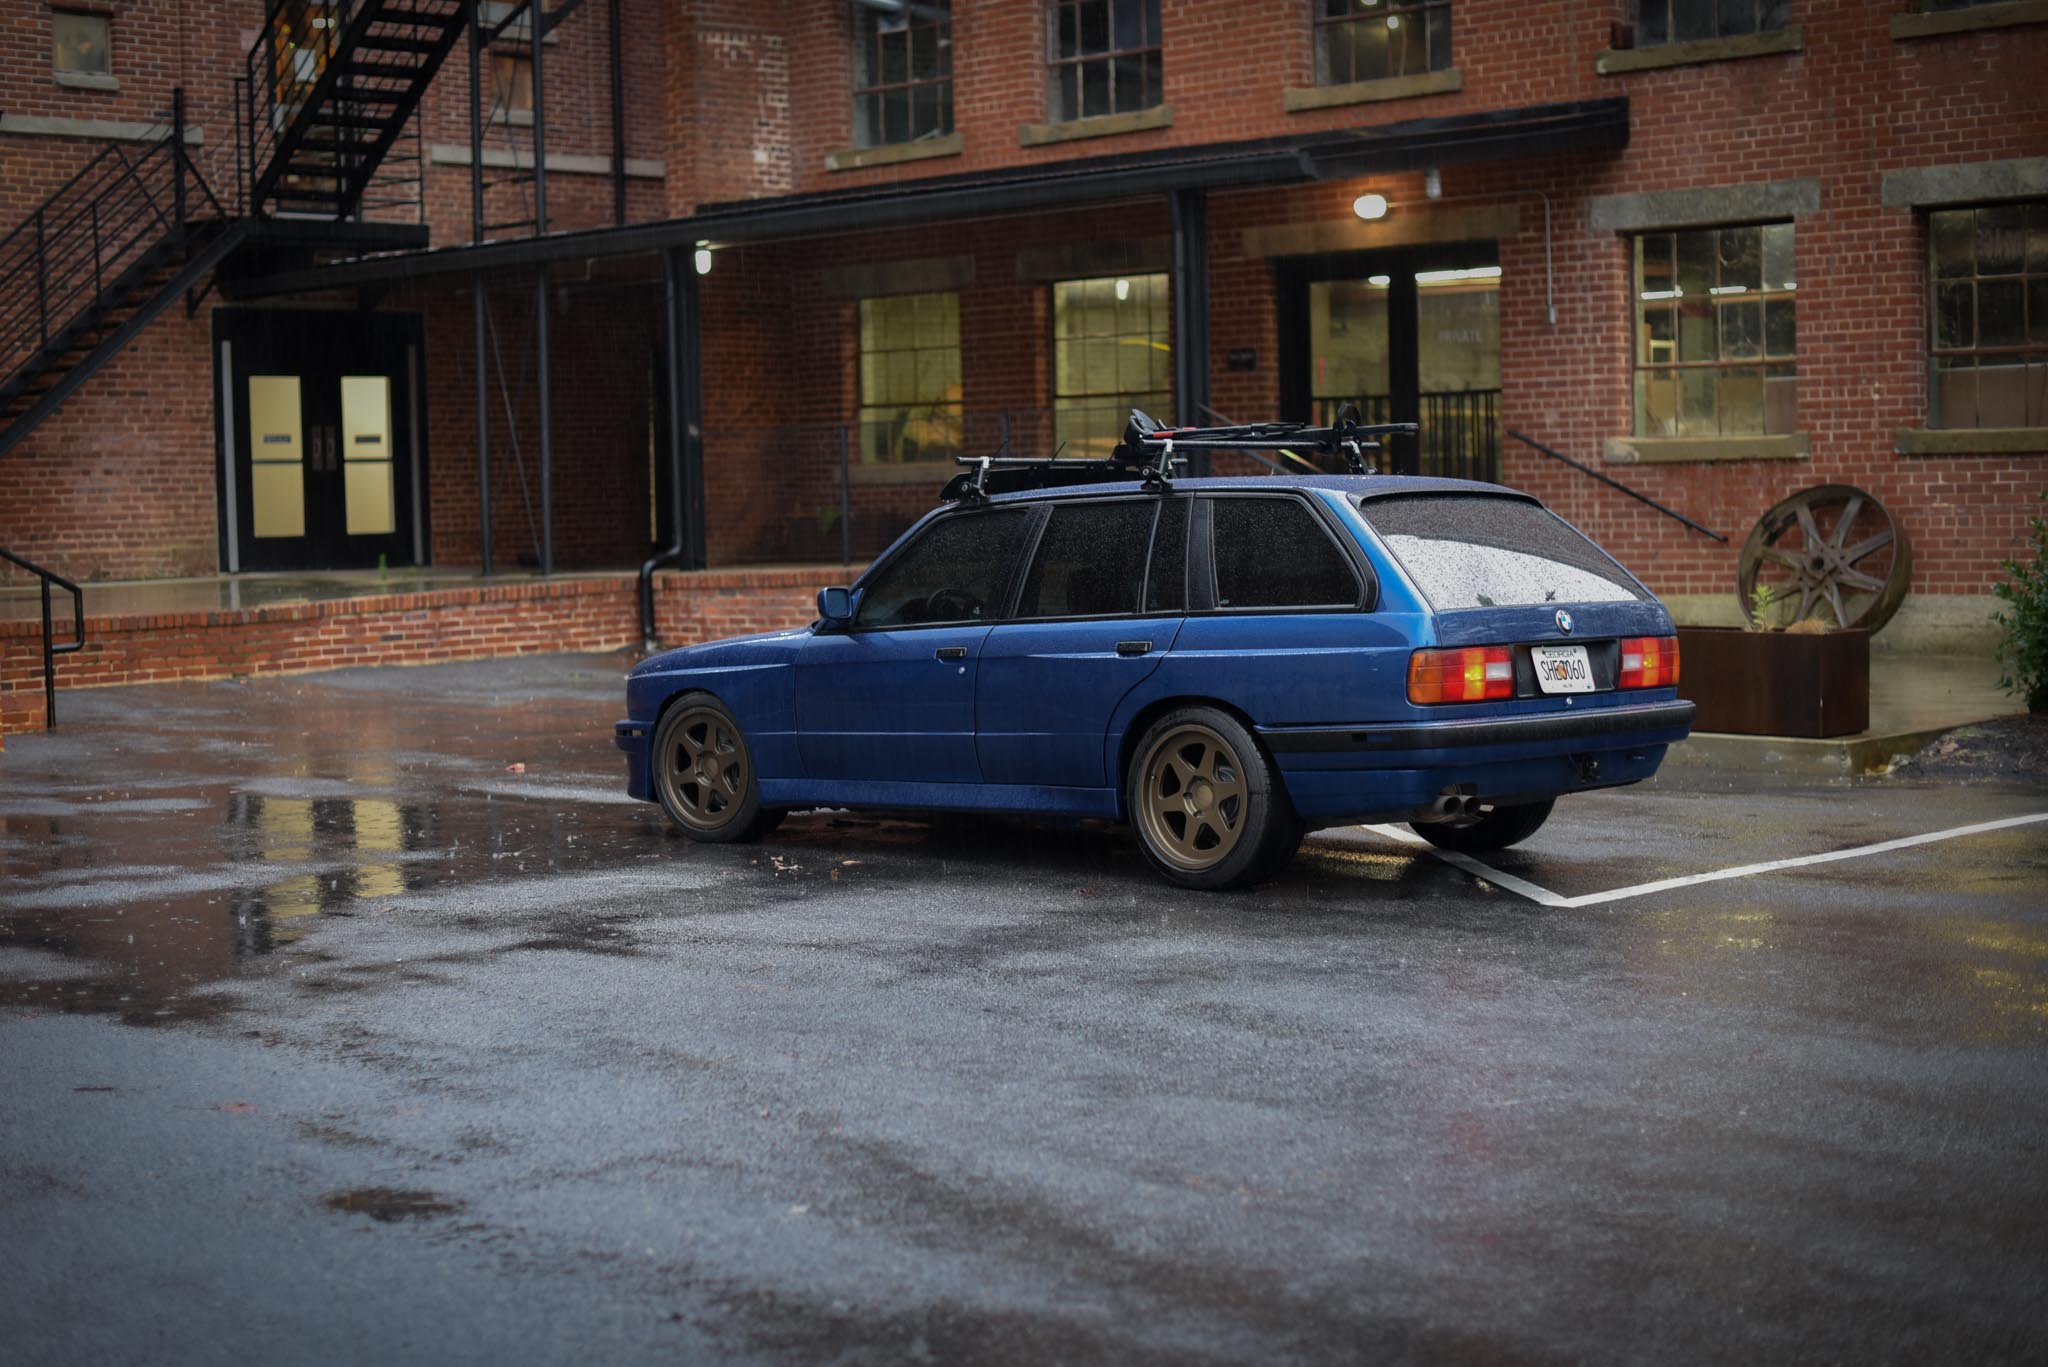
x: 951, y: 653
x: 1134, y: 647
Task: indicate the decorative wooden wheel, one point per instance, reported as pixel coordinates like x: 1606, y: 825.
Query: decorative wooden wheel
x: 1831, y: 552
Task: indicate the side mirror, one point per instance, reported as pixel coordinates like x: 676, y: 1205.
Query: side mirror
x: 835, y: 605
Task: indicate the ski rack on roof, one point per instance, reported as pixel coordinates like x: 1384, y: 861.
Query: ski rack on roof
x: 1346, y: 437
x: 1152, y: 454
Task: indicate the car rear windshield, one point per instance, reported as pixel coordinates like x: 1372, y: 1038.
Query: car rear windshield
x: 1481, y: 551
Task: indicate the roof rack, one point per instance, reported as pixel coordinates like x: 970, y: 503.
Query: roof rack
x: 1153, y: 454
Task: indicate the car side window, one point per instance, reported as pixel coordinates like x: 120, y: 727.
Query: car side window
x: 957, y: 571
x: 1274, y: 553
x: 1090, y: 560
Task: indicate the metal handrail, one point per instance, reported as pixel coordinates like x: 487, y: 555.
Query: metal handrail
x: 63, y: 259
x: 1536, y: 445
x: 51, y: 650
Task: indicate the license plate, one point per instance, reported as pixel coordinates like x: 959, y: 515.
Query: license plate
x: 1562, y: 669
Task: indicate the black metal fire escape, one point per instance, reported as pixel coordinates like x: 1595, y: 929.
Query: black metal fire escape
x: 330, y: 86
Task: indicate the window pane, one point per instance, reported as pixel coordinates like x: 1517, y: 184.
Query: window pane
x: 1741, y: 258
x: 1742, y: 326
x: 1736, y: 16
x: 2001, y: 239
x: 2037, y: 309
x: 1742, y: 401
x: 1657, y: 403
x: 1955, y: 315
x: 1696, y: 262
x: 2001, y: 316
x: 958, y: 570
x: 1778, y: 256
x: 1780, y: 333
x: 1692, y: 19
x: 1090, y: 561
x: 81, y: 43
x: 2037, y: 239
x: 1696, y: 404
x: 1273, y: 552
x: 1954, y: 235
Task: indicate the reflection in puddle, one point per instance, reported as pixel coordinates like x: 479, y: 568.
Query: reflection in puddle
x: 128, y: 938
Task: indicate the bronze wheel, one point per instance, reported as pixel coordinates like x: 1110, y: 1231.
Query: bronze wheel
x: 704, y: 774
x: 1208, y: 807
x: 1194, y: 797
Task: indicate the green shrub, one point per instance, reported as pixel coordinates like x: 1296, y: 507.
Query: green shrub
x: 2023, y: 654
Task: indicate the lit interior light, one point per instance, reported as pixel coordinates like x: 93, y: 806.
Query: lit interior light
x: 1663, y: 294
x: 1123, y: 290
x: 1728, y: 289
x: 703, y: 260
x: 1370, y: 206
x: 1393, y: 21
x: 1446, y: 277
x: 1380, y: 280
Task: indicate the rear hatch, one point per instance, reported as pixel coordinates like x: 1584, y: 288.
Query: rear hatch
x: 1500, y: 569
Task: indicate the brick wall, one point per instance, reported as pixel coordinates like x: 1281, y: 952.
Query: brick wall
x: 744, y: 100
x: 446, y: 624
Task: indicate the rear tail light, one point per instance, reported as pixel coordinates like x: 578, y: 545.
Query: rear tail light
x: 1473, y: 674
x: 1648, y: 662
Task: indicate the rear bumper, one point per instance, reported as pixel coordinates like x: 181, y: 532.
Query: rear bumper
x: 1667, y: 722
x: 1381, y: 773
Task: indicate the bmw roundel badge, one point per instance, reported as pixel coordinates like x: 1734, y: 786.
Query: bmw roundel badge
x: 1564, y: 621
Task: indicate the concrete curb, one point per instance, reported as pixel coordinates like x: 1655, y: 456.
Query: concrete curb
x: 1842, y: 756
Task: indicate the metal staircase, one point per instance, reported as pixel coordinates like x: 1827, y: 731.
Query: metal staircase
x: 329, y: 88
x: 331, y: 84
x: 134, y: 229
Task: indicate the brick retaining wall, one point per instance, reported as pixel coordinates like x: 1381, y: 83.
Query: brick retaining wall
x: 469, y: 623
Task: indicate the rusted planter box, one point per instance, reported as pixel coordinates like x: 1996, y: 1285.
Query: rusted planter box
x: 1766, y: 683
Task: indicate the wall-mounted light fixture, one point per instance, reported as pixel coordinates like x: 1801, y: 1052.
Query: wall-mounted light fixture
x: 703, y: 259
x: 1123, y: 290
x: 1370, y: 206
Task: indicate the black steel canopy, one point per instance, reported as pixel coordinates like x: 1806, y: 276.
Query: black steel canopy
x: 1534, y: 130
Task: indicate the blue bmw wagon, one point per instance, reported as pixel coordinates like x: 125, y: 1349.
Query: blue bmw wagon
x: 1223, y: 663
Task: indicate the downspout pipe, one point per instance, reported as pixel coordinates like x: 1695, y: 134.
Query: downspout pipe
x: 679, y: 287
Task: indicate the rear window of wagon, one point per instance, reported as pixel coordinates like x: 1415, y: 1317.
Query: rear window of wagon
x: 1484, y: 551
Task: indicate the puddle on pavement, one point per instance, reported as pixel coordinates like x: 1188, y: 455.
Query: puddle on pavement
x: 126, y: 895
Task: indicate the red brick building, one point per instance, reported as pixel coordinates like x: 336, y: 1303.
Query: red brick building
x: 791, y: 258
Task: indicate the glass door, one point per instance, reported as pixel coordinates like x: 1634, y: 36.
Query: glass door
x: 1405, y: 335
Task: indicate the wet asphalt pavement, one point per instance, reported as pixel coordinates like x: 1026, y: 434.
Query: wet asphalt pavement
x: 328, y: 1035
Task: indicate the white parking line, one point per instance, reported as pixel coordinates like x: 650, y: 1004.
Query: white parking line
x: 1547, y: 898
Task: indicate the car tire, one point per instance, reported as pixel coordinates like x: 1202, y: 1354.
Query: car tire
x: 704, y: 773
x: 1206, y: 802
x: 1496, y: 829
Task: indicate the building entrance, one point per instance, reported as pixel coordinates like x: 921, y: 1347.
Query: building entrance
x: 319, y: 416
x: 1409, y: 334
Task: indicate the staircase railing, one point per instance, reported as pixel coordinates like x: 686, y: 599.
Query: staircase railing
x: 75, y: 248
x: 51, y: 649
x: 286, y: 73
x: 1616, y: 484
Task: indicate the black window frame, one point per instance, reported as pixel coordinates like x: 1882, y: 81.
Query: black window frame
x: 1328, y: 30
x: 2027, y: 280
x: 866, y: 51
x: 1150, y: 56
x: 1202, y: 596
x: 1646, y: 35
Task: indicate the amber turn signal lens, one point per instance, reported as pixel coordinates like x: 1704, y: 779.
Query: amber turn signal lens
x: 1648, y: 662
x: 1472, y: 674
